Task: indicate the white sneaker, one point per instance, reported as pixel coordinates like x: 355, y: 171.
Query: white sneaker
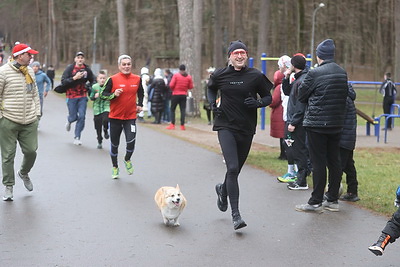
x: 77, y: 142
x: 8, y: 194
x: 27, y: 181
x: 68, y: 126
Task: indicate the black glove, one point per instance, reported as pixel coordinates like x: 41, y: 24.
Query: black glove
x: 251, y: 102
x: 217, y: 111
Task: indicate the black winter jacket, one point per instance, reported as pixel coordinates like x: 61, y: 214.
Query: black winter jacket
x: 349, y: 132
x: 325, y: 90
x: 296, y: 109
x: 234, y: 87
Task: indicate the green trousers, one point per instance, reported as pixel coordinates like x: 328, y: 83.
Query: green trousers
x: 27, y: 137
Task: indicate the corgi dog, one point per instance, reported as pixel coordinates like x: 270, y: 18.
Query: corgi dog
x: 171, y: 203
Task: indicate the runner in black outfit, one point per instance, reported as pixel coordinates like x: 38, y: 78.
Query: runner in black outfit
x: 236, y: 119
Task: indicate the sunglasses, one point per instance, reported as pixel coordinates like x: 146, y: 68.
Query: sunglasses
x: 237, y: 53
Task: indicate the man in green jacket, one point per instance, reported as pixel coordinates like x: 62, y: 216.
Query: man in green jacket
x: 19, y: 113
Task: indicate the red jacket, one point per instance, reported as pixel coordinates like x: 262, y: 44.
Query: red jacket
x: 277, y: 124
x: 180, y: 83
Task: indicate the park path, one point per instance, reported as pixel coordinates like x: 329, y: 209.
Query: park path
x: 78, y: 216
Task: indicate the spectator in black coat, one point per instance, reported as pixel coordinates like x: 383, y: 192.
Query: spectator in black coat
x: 347, y: 146
x: 324, y: 89
x: 157, y: 95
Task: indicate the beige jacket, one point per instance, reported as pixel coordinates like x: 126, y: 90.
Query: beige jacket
x: 16, y: 103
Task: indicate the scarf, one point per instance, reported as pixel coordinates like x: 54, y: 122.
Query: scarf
x: 28, y: 78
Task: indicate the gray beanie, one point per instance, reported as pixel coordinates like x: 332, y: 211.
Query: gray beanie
x: 326, y: 49
x: 236, y: 45
x: 35, y: 63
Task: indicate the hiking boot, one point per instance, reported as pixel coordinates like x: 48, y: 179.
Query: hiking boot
x: 316, y: 208
x: 237, y: 221
x: 68, y: 126
x: 331, y: 206
x: 99, y: 146
x: 183, y: 127
x: 115, y: 173
x: 8, y: 193
x: 27, y: 181
x: 379, y: 246
x: 296, y: 186
x: 222, y: 201
x: 129, y: 167
x: 77, y: 141
x: 287, y: 178
x: 350, y: 197
x: 171, y: 127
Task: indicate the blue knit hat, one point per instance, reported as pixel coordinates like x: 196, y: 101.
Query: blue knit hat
x: 326, y: 49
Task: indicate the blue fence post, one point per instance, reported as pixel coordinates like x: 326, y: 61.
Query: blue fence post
x: 308, y: 62
x: 251, y: 62
x: 264, y: 70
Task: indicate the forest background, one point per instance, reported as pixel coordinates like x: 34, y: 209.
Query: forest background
x: 166, y: 33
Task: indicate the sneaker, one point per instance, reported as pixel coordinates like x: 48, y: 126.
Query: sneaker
x: 129, y: 166
x: 350, y: 197
x: 8, y: 193
x: 115, y: 173
x: 27, y: 181
x: 331, y: 206
x: 77, y: 141
x: 287, y: 178
x: 378, y: 247
x: 183, y: 127
x: 99, y: 146
x: 171, y: 127
x: 296, y: 186
x: 68, y: 126
x: 317, y: 208
x: 222, y: 201
x: 238, y: 221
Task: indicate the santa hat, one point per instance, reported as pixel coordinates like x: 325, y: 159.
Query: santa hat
x: 19, y: 49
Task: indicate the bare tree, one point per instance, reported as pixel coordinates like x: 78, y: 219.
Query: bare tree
x: 263, y: 17
x: 196, y: 72
x: 121, y: 27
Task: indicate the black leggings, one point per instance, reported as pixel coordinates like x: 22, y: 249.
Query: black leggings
x: 235, y: 149
x: 181, y: 100
x: 116, y: 127
x: 100, y: 124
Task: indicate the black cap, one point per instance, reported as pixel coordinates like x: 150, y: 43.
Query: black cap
x: 80, y: 54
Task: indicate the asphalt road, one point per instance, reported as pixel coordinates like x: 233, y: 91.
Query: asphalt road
x: 78, y: 216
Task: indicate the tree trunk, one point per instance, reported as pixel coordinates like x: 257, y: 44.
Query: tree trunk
x: 121, y: 27
x: 396, y: 70
x: 263, y: 17
x: 197, y: 68
x: 218, y: 59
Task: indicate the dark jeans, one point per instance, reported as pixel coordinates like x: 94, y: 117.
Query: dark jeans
x: 346, y: 157
x: 324, y: 153
x: 77, y: 112
x: 300, y: 154
x: 100, y: 124
x: 392, y: 227
x: 181, y: 100
x: 116, y: 127
x: 235, y: 149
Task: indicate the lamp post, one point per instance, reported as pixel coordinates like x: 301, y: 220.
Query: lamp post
x: 312, y: 32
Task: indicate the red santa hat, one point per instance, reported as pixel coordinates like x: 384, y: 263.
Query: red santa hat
x: 19, y: 49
